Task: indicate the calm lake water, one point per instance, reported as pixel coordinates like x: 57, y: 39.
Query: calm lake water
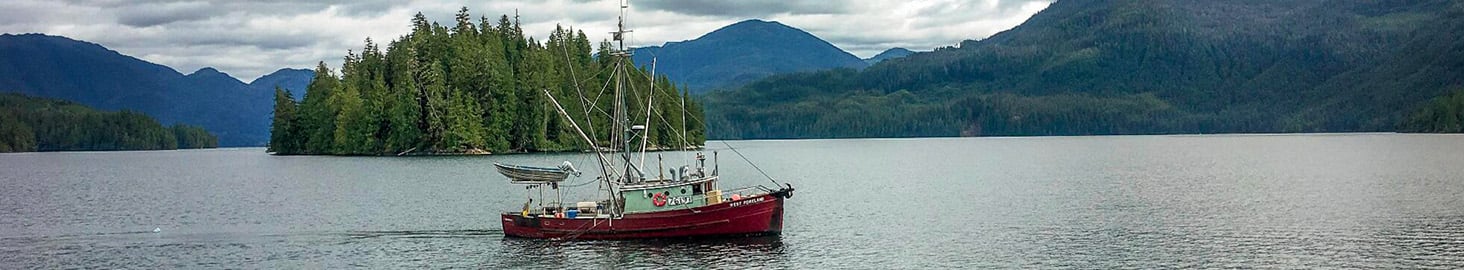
x: 1262, y: 201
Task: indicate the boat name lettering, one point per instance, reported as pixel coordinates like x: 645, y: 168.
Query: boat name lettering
x: 747, y: 201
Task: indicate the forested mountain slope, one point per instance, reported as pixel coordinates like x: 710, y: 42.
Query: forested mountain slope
x: 1133, y: 67
x: 87, y: 73
x: 45, y: 124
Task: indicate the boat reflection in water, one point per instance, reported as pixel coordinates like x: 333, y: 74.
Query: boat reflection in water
x: 714, y: 252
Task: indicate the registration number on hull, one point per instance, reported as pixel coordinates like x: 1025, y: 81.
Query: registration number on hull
x: 678, y: 201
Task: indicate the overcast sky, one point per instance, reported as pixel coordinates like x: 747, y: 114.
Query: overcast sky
x: 249, y: 39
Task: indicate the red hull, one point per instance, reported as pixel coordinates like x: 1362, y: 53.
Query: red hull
x: 750, y: 216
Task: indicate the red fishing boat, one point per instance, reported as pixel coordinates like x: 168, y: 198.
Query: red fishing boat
x: 636, y: 204
x: 657, y: 215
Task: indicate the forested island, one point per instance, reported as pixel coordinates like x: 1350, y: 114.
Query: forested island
x: 42, y: 124
x: 471, y: 88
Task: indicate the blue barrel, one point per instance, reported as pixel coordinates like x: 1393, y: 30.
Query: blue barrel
x: 571, y: 213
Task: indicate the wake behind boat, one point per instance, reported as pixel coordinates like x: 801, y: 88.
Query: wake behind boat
x: 686, y: 203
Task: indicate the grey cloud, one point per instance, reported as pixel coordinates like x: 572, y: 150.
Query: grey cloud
x: 939, y: 15
x: 10, y: 17
x: 251, y: 38
x: 166, y: 8
x: 158, y: 14
x: 362, y: 8
x: 270, y: 41
x: 38, y: 12
x: 747, y: 8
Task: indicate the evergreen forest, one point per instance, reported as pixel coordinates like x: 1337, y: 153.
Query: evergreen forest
x: 42, y: 124
x: 475, y: 87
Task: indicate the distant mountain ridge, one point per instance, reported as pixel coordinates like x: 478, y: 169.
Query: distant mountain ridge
x: 90, y: 74
x: 891, y: 53
x: 293, y: 79
x: 743, y: 52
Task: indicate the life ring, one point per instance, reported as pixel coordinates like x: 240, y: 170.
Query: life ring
x: 659, y: 199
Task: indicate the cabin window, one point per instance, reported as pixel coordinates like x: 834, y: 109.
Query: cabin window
x: 696, y: 189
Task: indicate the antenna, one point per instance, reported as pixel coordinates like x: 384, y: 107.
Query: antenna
x: 619, y: 34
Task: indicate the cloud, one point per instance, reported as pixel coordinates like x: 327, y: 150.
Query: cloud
x: 741, y: 8
x: 249, y: 39
x: 152, y: 15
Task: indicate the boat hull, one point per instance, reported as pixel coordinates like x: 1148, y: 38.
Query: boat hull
x: 759, y: 215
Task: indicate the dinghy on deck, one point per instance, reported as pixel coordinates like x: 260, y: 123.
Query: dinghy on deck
x: 530, y: 174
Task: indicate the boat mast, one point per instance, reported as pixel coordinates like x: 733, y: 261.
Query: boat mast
x: 622, y: 110
x: 619, y: 116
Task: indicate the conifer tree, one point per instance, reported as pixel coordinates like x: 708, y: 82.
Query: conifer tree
x: 284, y: 137
x: 318, y: 116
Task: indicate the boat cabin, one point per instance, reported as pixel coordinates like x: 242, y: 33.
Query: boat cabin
x: 669, y: 194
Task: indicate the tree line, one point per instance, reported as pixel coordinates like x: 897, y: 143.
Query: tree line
x: 473, y: 88
x: 42, y: 124
x: 1443, y: 114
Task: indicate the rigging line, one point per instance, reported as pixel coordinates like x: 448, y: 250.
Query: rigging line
x: 580, y: 184
x: 591, y: 77
x: 569, y: 64
x: 754, y: 165
x: 615, y: 71
x: 603, y: 166
x: 684, y: 140
x: 646, y: 134
x: 589, y: 138
x: 603, y: 162
x: 668, y: 124
x: 584, y: 99
x: 629, y: 88
x: 595, y: 104
x: 685, y: 143
x: 683, y: 133
x: 683, y: 108
x: 603, y: 88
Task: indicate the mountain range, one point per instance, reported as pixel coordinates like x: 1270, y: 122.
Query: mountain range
x: 1075, y: 68
x: 87, y: 73
x: 238, y: 112
x: 743, y: 52
x: 1133, y: 67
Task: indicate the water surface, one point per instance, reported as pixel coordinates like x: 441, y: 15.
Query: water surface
x: 1283, y: 201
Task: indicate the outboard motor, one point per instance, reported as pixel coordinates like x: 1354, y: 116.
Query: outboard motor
x: 568, y: 167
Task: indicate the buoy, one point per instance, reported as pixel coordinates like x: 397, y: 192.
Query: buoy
x: 659, y: 199
x: 736, y: 197
x: 157, y: 230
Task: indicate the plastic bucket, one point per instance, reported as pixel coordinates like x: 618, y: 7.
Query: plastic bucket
x: 571, y: 213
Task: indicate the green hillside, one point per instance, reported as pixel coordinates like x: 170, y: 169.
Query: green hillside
x: 43, y: 124
x: 1134, y: 67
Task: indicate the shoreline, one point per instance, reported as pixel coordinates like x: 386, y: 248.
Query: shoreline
x: 480, y: 152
